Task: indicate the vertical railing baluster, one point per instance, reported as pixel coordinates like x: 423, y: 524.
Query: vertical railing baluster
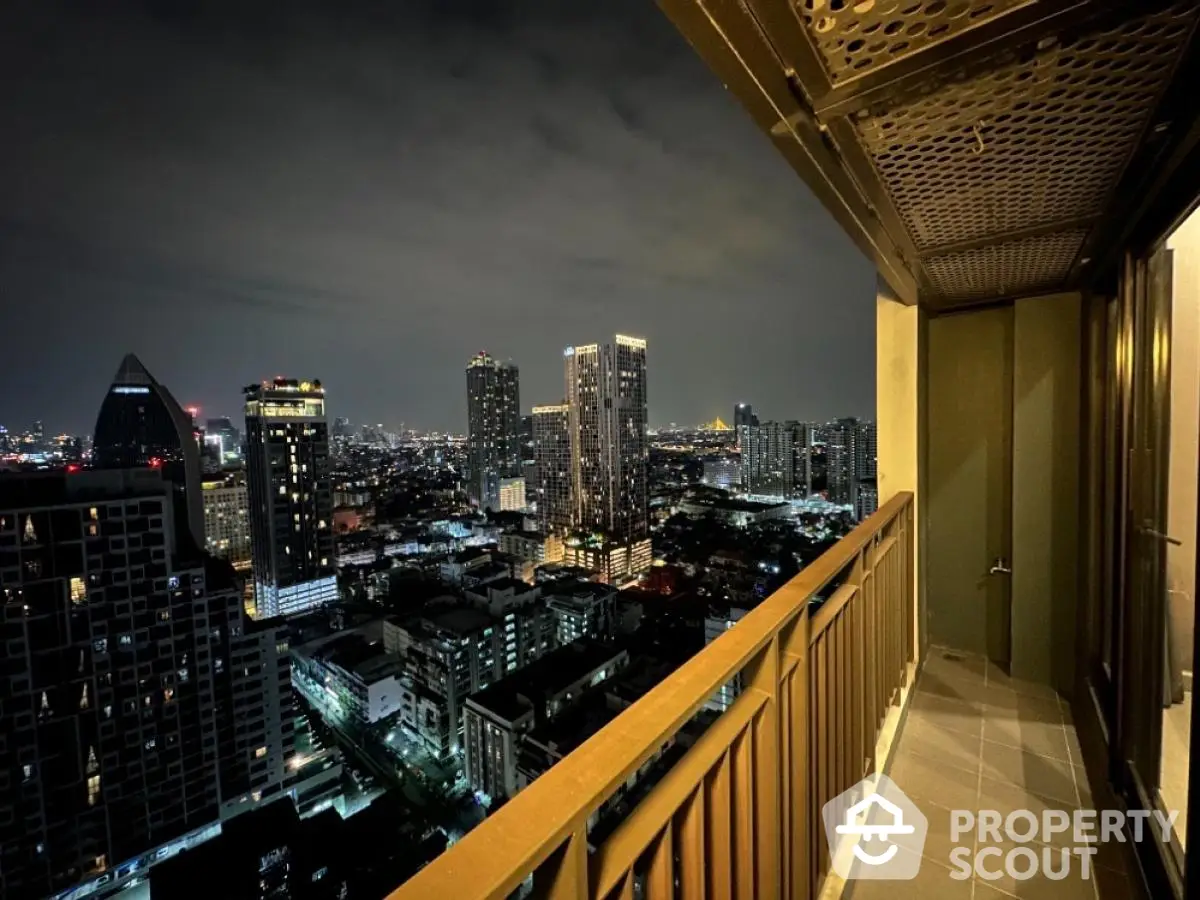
x: 764, y: 676
x: 744, y: 802
x: 786, y: 777
x: 801, y: 798
x: 660, y: 879
x: 692, y: 851
x: 720, y: 830
x: 564, y: 876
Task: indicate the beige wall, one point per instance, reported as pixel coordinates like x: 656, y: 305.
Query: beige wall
x: 1047, y: 344
x: 1185, y: 436
x: 898, y: 385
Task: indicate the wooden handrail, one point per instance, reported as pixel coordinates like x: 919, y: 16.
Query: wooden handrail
x: 552, y: 813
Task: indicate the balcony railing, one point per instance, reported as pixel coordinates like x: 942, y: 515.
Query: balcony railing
x: 739, y: 814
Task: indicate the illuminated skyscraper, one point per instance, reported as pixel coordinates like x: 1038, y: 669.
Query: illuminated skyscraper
x: 589, y: 479
x: 291, y: 500
x: 552, y: 463
x: 493, y: 428
x: 141, y: 425
x: 606, y: 397
x: 842, y: 458
x: 624, y: 438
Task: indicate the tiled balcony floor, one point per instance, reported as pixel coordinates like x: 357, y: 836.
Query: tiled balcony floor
x: 976, y: 739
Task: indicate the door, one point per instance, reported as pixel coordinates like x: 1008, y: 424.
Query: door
x: 1147, y: 286
x: 969, y: 473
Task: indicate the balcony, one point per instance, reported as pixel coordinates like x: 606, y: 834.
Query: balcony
x: 1013, y: 631
x: 739, y: 814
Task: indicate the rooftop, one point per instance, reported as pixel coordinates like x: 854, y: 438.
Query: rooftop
x: 460, y: 619
x: 359, y: 650
x: 532, y: 685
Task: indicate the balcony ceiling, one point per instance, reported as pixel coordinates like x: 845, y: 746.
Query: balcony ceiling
x: 974, y: 150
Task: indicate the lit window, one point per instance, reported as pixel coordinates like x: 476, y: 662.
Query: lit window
x: 100, y: 863
x: 93, y: 514
x: 260, y: 752
x: 93, y: 790
x: 152, y: 742
x: 91, y: 529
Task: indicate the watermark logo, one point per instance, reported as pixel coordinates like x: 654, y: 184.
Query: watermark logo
x: 875, y: 831
x: 1054, y: 845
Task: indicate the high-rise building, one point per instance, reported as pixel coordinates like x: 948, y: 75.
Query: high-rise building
x: 585, y: 403
x: 722, y: 471
x: 227, y: 517
x: 866, y: 451
x: 552, y: 455
x: 493, y: 428
x: 777, y: 458
x: 625, y: 442
x: 768, y: 458
x: 512, y: 494
x: 804, y: 436
x: 743, y: 414
x: 607, y: 412
x: 138, y: 706
x: 841, y: 460
x: 141, y: 425
x: 225, y: 437
x: 291, y: 497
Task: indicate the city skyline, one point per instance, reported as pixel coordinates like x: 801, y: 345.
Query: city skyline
x: 346, y: 211
x: 232, y: 410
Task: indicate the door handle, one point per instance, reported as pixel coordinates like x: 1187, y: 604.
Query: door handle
x: 1155, y: 533
x: 1000, y: 567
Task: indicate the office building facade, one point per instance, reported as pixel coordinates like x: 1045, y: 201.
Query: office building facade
x: 493, y: 428
x: 291, y: 498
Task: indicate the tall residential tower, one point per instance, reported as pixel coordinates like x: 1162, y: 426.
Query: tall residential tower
x: 552, y: 463
x: 493, y: 428
x: 606, y: 424
x: 291, y: 500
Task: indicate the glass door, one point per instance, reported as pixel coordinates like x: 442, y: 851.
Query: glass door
x: 1143, y: 685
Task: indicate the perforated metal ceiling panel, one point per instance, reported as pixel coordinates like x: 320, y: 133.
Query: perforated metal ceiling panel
x: 1034, y: 142
x: 854, y: 37
x: 1021, y: 266
x: 973, y: 149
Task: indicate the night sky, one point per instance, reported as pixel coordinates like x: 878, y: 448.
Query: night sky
x: 372, y: 193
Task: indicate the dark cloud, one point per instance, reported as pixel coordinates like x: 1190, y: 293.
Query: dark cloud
x: 369, y: 192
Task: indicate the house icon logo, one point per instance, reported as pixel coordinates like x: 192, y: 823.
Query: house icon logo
x: 874, y: 831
